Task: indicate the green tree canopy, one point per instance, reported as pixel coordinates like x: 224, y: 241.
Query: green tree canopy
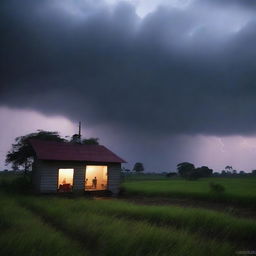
x: 204, y: 171
x: 91, y: 141
x: 188, y: 171
x: 185, y: 169
x: 21, y: 153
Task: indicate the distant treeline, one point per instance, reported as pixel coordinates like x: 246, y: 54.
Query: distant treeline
x: 189, y: 171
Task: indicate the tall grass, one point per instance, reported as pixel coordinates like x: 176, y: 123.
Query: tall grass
x: 206, y: 222
x: 109, y: 235
x: 22, y: 233
x: 115, y: 227
x: 237, y: 190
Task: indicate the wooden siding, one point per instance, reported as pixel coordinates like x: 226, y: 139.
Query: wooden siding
x: 49, y: 171
x: 35, y: 176
x: 46, y: 175
x: 114, y: 177
x: 79, y: 177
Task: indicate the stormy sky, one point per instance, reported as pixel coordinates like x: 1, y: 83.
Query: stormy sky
x: 157, y: 81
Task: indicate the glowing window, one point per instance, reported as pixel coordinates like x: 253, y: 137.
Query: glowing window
x: 65, y: 181
x: 96, y: 177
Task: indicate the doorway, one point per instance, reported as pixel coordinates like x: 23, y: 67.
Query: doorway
x: 96, y: 177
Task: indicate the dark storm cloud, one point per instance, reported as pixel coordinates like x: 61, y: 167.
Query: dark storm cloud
x: 173, y: 71
x: 228, y: 3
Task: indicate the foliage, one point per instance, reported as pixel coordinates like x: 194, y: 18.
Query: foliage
x: 171, y: 174
x: 204, y: 171
x: 228, y: 168
x: 125, y: 170
x: 185, y: 169
x: 21, y: 154
x: 91, y: 141
x: 20, y: 184
x: 76, y: 138
x: 138, y: 167
x: 193, y: 175
x: 188, y: 171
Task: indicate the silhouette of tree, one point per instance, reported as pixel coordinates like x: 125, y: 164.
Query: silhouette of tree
x: 21, y: 153
x: 188, y: 171
x: 185, y: 169
x: 138, y: 167
x: 125, y: 170
x: 91, y: 141
x: 254, y: 172
x: 171, y: 174
x: 228, y: 168
x: 204, y: 171
x: 223, y: 173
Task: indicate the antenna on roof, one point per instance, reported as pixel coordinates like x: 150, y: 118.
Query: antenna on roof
x: 76, y: 138
x: 79, y: 131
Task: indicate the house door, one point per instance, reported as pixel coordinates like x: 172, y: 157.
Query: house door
x: 96, y: 177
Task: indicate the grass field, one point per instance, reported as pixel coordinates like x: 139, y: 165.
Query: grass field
x: 53, y: 225
x: 24, y: 233
x: 109, y: 232
x: 237, y: 190
x: 143, y: 177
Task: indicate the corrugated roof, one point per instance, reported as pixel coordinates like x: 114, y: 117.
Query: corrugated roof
x: 62, y: 151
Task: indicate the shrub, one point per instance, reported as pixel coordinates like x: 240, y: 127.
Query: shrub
x: 21, y: 184
x: 171, y: 174
x: 194, y: 175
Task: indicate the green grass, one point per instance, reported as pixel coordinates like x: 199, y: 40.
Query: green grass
x: 9, y: 176
x: 108, y: 234
x: 205, y: 222
x: 23, y: 233
x: 52, y: 225
x: 143, y: 176
x: 237, y: 190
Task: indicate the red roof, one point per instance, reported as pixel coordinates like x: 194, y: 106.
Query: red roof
x: 49, y: 150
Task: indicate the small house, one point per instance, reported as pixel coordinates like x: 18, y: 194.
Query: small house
x: 67, y: 167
